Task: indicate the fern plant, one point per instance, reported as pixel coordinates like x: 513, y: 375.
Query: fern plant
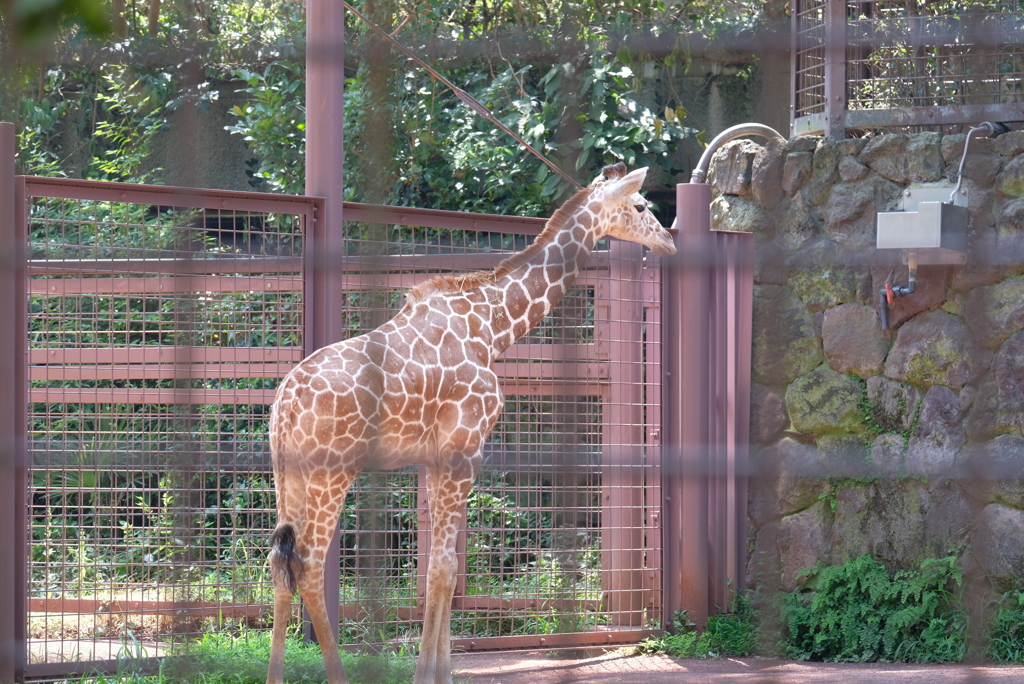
x: 861, y: 613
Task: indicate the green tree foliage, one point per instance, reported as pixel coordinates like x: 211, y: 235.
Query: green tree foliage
x: 566, y: 76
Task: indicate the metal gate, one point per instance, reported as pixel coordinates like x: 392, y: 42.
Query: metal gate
x: 159, y: 322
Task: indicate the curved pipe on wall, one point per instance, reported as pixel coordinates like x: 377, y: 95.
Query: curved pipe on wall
x: 701, y: 172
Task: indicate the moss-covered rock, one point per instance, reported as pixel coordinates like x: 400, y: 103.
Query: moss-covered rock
x: 796, y: 224
x: 784, y: 343
x: 1010, y: 144
x: 851, y: 210
x: 936, y: 348
x: 731, y: 167
x: 804, y: 539
x: 818, y: 275
x: 850, y: 169
x: 1009, y: 234
x: 985, y: 420
x: 899, y: 522
x: 1010, y: 181
x: 743, y: 214
x: 996, y: 312
x: 800, y: 477
x: 824, y: 170
x: 1008, y: 371
x: 766, y: 174
x: 853, y: 340
x: 983, y: 161
x: 933, y: 448
x: 825, y: 402
x: 796, y: 170
x: 843, y: 455
x: 892, y: 405
x: 887, y: 156
x: 886, y: 457
x: 993, y: 471
x: 998, y: 545
x: 767, y: 415
x: 924, y: 157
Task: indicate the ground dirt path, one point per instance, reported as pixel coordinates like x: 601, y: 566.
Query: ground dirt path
x: 615, y: 667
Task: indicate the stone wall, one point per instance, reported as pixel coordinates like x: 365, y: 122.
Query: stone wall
x: 907, y: 443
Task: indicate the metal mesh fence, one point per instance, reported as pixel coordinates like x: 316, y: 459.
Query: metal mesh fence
x: 808, y: 58
x: 545, y: 550
x: 158, y: 330
x: 157, y: 334
x: 918, y: 64
x: 935, y: 54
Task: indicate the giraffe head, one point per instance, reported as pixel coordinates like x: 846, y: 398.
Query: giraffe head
x: 624, y: 213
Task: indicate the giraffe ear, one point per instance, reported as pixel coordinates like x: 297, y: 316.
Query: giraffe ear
x: 614, y: 171
x: 628, y: 184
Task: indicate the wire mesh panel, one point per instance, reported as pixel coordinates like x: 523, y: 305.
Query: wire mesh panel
x: 934, y: 54
x: 159, y: 325
x: 863, y: 64
x: 808, y: 58
x: 554, y: 550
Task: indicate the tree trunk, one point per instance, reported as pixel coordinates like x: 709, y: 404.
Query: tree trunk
x: 154, y: 15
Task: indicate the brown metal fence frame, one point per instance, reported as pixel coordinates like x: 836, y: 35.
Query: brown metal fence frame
x: 679, y: 534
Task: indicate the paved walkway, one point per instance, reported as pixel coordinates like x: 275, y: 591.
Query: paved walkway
x: 614, y: 668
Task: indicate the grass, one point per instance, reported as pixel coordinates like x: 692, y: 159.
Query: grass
x: 223, y: 659
x: 1006, y: 629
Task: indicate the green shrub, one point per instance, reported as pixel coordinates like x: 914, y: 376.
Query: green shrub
x: 858, y: 612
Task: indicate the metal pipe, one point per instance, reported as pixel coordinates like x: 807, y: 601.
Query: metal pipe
x: 887, y: 294
x: 325, y: 168
x: 686, y: 421
x: 701, y: 172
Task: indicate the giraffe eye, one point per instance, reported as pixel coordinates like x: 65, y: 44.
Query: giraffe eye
x: 639, y: 208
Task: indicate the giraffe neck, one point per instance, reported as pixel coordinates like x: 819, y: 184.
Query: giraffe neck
x: 522, y: 298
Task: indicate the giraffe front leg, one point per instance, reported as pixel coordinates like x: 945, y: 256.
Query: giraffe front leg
x: 448, y: 488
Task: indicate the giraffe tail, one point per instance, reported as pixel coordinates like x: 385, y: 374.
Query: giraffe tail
x: 285, y: 564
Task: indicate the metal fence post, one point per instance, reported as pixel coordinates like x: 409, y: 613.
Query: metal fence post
x: 12, y: 420
x: 325, y: 154
x: 622, y: 481
x: 835, y: 68
x: 686, y: 419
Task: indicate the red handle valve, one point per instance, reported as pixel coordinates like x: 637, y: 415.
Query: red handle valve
x: 889, y: 294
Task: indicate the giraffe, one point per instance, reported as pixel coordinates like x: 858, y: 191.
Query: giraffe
x: 421, y: 389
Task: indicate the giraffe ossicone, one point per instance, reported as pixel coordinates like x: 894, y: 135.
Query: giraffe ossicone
x: 421, y: 389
